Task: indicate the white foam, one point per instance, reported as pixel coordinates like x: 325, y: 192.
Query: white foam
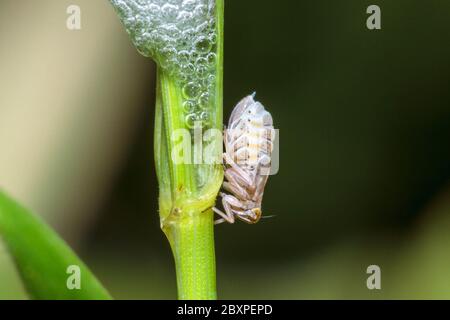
x: 180, y: 35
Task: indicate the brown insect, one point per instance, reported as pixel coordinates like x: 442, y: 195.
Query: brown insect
x: 247, y: 161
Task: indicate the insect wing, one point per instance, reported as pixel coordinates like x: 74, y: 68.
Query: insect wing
x: 237, y: 112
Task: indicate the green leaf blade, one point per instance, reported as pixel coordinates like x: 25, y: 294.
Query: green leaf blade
x: 43, y: 258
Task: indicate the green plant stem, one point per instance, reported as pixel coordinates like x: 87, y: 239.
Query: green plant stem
x: 192, y: 245
x: 185, y: 205
x: 186, y: 214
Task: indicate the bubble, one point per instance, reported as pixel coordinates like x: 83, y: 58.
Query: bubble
x: 200, y: 11
x: 202, y: 71
x: 164, y: 62
x: 130, y: 22
x: 153, y: 9
x: 188, y: 34
x: 187, y: 70
x: 169, y: 12
x: 203, y: 100
x: 211, y: 79
x: 211, y: 58
x: 142, y: 48
x: 180, y: 36
x: 201, y: 61
x: 213, y: 38
x: 191, y: 90
x: 211, y: 7
x: 183, y: 57
x: 190, y: 120
x: 189, y: 5
x: 205, y: 118
x: 154, y: 36
x: 184, y: 16
x: 202, y: 28
x: 169, y: 52
x: 170, y: 30
x: 202, y: 45
x: 194, y: 56
x: 211, y: 84
x: 189, y: 106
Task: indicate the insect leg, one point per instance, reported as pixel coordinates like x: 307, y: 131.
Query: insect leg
x: 241, y: 174
x: 235, y: 180
x: 260, y: 183
x: 244, y: 217
x: 228, y: 215
x: 224, y: 216
x: 234, y: 188
x: 227, y: 201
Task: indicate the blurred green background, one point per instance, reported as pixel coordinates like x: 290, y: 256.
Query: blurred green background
x: 364, y: 119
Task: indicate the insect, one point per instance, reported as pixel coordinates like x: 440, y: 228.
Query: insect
x: 247, y: 160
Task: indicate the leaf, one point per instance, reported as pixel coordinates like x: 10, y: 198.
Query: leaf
x: 43, y: 258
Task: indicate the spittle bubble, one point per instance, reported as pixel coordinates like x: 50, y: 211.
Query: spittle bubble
x: 180, y: 35
x: 191, y: 90
x: 189, y: 106
x: 190, y: 120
